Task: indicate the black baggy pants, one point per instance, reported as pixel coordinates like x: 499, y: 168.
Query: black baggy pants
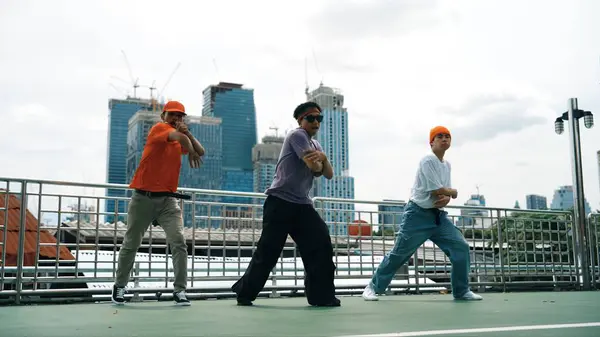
x: 309, y: 231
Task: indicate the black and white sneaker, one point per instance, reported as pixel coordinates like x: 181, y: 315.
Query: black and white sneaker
x: 118, y: 295
x: 180, y: 298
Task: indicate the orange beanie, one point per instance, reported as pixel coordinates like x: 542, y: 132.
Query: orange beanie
x: 436, y: 131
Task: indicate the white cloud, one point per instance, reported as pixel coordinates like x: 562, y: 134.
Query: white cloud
x: 498, y: 73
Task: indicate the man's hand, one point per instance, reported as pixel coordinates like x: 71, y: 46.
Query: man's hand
x: 445, y: 191
x: 181, y: 127
x: 194, y: 159
x: 315, y: 160
x: 319, y: 166
x: 442, y: 201
x: 315, y: 156
x: 318, y: 163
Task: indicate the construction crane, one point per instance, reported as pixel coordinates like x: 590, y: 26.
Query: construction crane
x: 477, y: 188
x: 134, y: 82
x: 121, y: 91
x: 152, y: 87
x: 306, y: 77
x: 276, y: 130
x: 159, y: 95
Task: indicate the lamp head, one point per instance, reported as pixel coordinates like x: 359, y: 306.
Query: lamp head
x: 559, y: 126
x: 588, y: 119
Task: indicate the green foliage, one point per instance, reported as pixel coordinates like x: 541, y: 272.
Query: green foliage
x: 533, y: 238
x: 594, y: 238
x: 387, y: 231
x: 477, y: 233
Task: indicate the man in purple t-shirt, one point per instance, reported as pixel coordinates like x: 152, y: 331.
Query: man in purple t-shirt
x: 288, y: 209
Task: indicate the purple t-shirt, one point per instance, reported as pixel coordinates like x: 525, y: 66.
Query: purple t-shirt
x: 293, y: 179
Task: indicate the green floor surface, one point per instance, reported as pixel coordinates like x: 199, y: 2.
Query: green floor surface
x: 293, y: 317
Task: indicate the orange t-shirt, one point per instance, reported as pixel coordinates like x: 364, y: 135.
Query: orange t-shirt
x: 159, y: 167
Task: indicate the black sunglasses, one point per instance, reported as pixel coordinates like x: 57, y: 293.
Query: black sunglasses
x: 176, y: 114
x: 312, y: 118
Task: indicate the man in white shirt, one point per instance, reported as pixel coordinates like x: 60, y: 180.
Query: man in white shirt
x: 423, y: 219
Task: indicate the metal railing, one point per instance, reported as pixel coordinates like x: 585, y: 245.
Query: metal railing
x: 593, y: 221
x: 59, y: 247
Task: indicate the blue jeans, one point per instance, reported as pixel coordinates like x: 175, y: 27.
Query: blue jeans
x: 419, y: 224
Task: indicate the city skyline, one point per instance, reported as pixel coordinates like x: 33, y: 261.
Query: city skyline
x: 437, y: 63
x: 268, y: 168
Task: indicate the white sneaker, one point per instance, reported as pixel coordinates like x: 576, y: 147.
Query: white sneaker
x: 470, y: 296
x: 369, y: 294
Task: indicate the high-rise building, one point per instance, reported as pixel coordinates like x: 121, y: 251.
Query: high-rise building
x: 208, y: 132
x: 391, y: 215
x: 534, y: 201
x: 563, y: 199
x: 474, y: 217
x: 120, y: 111
x: 234, y: 105
x: 264, y: 157
x: 333, y: 136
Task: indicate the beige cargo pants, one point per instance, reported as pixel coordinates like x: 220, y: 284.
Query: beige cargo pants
x: 142, y: 211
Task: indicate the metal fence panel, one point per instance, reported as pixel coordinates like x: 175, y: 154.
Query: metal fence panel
x: 59, y: 245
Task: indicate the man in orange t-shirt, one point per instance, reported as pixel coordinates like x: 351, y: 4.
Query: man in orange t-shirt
x: 154, y: 199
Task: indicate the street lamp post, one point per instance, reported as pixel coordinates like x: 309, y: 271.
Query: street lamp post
x: 573, y: 115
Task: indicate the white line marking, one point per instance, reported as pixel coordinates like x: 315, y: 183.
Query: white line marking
x: 481, y: 330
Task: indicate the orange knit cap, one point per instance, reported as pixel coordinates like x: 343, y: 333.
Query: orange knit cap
x: 436, y: 131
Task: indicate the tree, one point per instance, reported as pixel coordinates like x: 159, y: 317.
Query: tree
x: 533, y: 238
x: 594, y: 239
x: 477, y: 233
x: 384, y: 231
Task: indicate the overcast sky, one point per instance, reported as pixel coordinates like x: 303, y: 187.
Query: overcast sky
x: 497, y: 73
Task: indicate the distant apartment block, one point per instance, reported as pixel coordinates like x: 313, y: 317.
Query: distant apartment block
x: 264, y: 158
x: 234, y: 105
x: 208, y: 132
x: 476, y: 218
x: 333, y: 137
x: 120, y: 111
x: 563, y: 199
x: 390, y: 215
x: 536, y: 201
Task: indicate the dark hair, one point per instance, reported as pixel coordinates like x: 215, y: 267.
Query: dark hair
x: 302, y: 108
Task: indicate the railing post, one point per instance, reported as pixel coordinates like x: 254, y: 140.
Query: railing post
x: 578, y: 195
x: 500, y: 243
x: 592, y: 247
x: 21, y: 248
x: 136, y: 283
x: 576, y: 251
x: 274, y: 293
